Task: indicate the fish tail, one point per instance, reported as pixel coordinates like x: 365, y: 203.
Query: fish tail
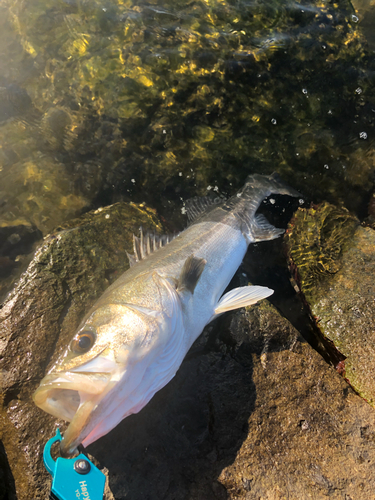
x: 247, y: 201
x: 260, y: 186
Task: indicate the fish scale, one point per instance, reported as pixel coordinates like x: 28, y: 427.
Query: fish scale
x: 135, y: 337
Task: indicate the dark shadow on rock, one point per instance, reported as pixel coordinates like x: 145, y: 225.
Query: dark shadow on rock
x: 7, y: 485
x: 176, y: 447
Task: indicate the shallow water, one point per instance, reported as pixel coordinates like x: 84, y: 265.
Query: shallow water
x: 159, y: 101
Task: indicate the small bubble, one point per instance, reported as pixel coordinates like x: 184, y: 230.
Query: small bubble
x: 104, y: 9
x: 107, y: 216
x: 209, y: 188
x: 164, y: 131
x: 304, y: 425
x: 355, y: 18
x: 324, y: 47
x: 273, y: 121
x: 304, y: 91
x: 358, y: 90
x: 180, y: 174
x: 326, y: 166
x: 330, y: 111
x: 132, y: 180
x: 216, y: 188
x: 297, y: 154
x: 301, y: 201
x: 272, y: 201
x: 363, y: 135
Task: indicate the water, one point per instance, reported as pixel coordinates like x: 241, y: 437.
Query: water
x: 160, y: 101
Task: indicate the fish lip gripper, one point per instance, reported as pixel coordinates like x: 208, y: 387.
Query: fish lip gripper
x: 73, y: 478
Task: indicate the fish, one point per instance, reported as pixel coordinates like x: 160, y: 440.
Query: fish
x: 133, y: 340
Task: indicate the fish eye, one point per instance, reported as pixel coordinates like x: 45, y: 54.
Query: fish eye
x: 83, y: 342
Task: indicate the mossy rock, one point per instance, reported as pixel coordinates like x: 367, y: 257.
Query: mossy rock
x: 333, y: 259
x: 69, y: 271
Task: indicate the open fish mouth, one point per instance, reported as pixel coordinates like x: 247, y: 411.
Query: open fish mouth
x: 61, y: 394
x: 73, y: 397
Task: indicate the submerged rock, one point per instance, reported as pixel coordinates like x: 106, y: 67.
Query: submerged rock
x: 68, y: 272
x: 334, y: 263
x: 163, y: 99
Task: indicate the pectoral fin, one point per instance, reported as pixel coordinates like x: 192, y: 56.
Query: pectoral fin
x: 242, y: 297
x: 190, y: 273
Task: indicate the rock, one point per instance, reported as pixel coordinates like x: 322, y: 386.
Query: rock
x: 68, y: 272
x: 253, y: 412
x: 39, y: 192
x: 17, y: 242
x: 309, y: 435
x: 371, y: 211
x: 335, y: 263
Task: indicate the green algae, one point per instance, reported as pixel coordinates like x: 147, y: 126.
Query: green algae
x: 316, y: 239
x: 333, y: 260
x: 164, y: 99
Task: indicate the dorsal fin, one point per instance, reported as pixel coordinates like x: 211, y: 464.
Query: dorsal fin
x: 146, y: 244
x: 197, y: 206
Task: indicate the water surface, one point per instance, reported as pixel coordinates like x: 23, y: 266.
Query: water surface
x: 163, y: 100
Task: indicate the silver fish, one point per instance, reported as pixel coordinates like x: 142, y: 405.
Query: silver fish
x: 135, y: 337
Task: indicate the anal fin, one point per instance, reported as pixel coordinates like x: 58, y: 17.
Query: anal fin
x: 242, y: 297
x: 190, y: 273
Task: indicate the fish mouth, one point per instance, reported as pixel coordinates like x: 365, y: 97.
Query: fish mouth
x: 72, y: 396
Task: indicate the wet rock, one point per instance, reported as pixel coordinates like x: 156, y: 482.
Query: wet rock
x: 68, y: 272
x: 309, y: 435
x: 254, y: 412
x: 371, y: 211
x: 334, y: 262
x: 17, y: 240
x: 316, y: 239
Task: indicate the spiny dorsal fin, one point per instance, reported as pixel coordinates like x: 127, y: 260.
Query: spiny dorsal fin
x: 190, y: 273
x: 197, y: 206
x: 146, y: 244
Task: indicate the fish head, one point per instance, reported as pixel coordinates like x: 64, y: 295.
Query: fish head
x: 113, y: 347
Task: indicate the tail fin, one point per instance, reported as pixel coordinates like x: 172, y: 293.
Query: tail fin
x: 264, y: 185
x: 257, y: 187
